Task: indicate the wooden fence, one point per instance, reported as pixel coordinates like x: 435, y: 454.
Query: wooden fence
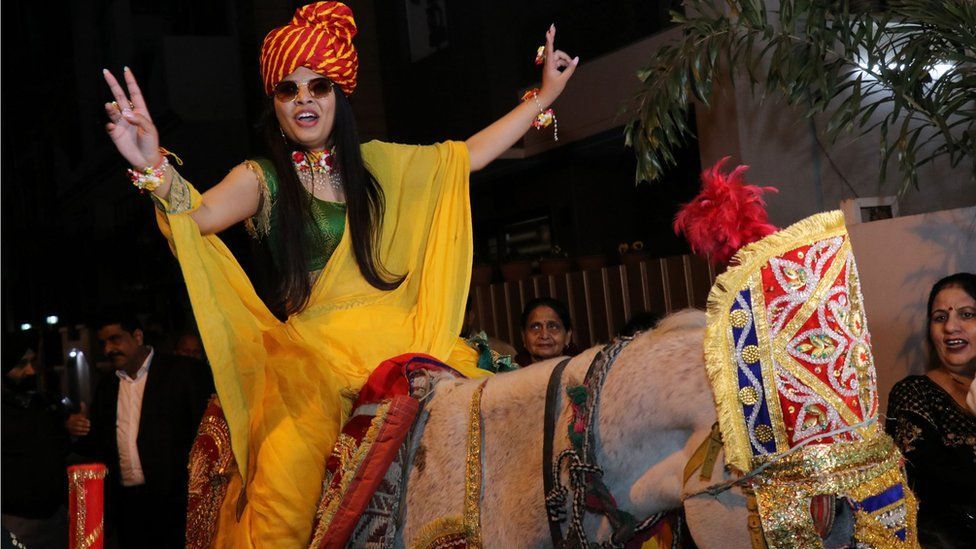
x: 600, y: 301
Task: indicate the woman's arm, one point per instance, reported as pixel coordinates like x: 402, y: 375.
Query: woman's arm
x: 489, y: 143
x: 131, y: 128
x: 236, y: 198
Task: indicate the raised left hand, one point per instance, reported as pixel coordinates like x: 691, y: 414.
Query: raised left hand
x: 557, y: 69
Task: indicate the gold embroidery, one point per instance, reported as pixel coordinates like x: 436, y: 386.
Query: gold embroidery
x: 738, y: 318
x: 350, y: 458
x: 764, y: 433
x: 79, y: 492
x: 259, y: 225
x: 750, y: 354
x: 180, y: 198
x: 748, y: 396
x: 747, y: 262
x: 463, y: 531
x: 209, y: 477
x: 856, y: 470
x: 767, y: 364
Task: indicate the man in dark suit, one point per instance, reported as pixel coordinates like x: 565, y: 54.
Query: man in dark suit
x: 142, y: 423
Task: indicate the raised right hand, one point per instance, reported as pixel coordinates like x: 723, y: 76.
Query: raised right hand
x: 130, y: 126
x: 78, y: 424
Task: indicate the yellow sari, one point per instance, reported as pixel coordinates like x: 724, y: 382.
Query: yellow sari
x: 281, y: 384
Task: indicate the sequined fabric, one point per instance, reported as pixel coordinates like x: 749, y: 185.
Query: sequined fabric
x: 211, y: 466
x: 866, y: 474
x: 788, y: 354
x: 938, y: 439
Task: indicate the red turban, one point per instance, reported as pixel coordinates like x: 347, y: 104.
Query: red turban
x: 318, y: 37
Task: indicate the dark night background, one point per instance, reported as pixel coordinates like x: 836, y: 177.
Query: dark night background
x: 77, y: 237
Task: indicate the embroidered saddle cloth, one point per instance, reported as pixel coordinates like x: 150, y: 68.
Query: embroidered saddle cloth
x: 789, y: 359
x: 363, y: 485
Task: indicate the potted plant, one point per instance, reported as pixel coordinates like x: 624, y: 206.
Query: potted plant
x: 904, y: 67
x: 632, y: 253
x: 556, y: 263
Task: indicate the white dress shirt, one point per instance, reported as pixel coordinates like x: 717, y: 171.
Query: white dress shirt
x: 129, y: 410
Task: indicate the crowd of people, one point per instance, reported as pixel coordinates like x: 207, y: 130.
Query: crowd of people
x: 145, y: 412
x: 141, y: 422
x: 364, y: 239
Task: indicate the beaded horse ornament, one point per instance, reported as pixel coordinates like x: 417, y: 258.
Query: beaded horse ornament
x: 788, y: 355
x: 789, y: 359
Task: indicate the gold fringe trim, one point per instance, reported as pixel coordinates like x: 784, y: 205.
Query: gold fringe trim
x: 440, y: 532
x: 259, y: 225
x: 333, y: 497
x: 719, y: 362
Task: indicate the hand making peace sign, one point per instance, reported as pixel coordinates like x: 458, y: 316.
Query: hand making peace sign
x: 130, y: 126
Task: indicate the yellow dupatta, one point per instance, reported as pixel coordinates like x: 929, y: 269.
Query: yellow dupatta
x: 280, y: 383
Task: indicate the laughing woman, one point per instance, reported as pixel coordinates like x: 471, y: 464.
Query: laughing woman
x: 929, y: 420
x: 373, y: 248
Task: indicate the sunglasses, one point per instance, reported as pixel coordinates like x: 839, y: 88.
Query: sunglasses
x: 287, y: 90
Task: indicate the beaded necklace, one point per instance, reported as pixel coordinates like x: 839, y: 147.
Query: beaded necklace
x: 317, y: 169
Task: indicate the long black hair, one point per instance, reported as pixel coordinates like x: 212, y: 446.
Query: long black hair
x: 365, y: 206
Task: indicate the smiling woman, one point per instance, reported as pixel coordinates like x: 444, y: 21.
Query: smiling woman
x: 930, y: 421
x: 371, y: 242
x: 547, y: 329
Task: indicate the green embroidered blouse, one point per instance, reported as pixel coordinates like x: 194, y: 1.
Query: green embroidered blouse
x: 322, y: 238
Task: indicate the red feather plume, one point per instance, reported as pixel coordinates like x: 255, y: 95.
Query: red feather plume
x: 726, y: 215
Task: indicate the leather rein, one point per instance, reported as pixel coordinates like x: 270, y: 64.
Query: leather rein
x: 590, y: 494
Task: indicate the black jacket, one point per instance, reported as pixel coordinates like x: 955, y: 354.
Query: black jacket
x: 176, y: 394
x: 35, y: 445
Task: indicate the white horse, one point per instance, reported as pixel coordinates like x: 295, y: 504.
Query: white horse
x: 655, y: 409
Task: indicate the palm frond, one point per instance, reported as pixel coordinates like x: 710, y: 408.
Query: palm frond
x: 910, y: 62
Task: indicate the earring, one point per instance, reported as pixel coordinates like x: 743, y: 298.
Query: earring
x: 282, y: 132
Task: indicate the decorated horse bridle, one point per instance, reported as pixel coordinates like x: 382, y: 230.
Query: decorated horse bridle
x: 590, y: 494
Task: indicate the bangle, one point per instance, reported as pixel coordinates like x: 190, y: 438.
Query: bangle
x: 546, y: 117
x: 151, y: 177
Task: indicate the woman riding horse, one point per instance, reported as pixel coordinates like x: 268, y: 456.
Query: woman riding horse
x: 373, y: 248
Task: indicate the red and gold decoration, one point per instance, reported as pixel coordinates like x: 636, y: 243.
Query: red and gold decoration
x: 546, y: 117
x: 361, y: 494
x: 540, y: 56
x: 788, y: 354
x: 317, y: 162
x: 318, y: 37
x: 86, y: 506
x: 316, y: 170
x: 150, y: 177
x: 211, y: 468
